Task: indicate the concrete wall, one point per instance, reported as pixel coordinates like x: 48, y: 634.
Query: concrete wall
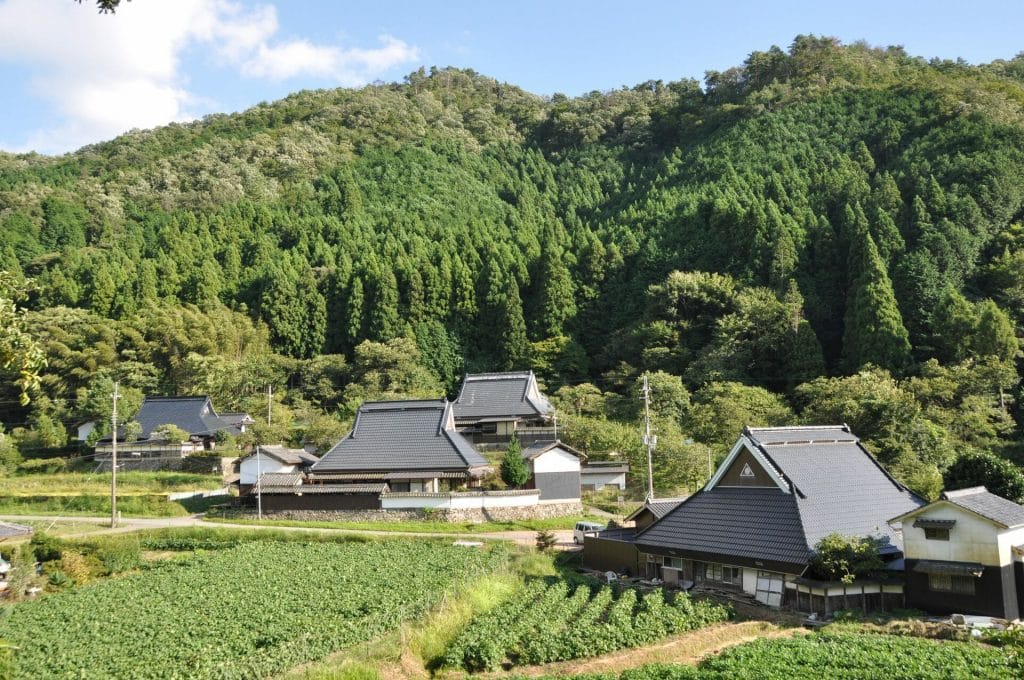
x: 599, y: 480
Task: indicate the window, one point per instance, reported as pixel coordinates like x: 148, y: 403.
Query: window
x: 399, y: 487
x: 936, y: 534
x: 674, y: 562
x: 723, y: 574
x: 951, y: 583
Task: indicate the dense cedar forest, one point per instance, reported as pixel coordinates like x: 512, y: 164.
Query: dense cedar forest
x: 826, y: 233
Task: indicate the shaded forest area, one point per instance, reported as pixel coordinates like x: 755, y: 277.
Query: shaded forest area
x: 823, y: 234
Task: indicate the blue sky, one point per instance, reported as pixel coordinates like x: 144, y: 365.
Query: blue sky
x: 71, y: 77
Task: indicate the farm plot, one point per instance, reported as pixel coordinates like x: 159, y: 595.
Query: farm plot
x: 243, y: 612
x: 546, y: 623
x: 843, y: 657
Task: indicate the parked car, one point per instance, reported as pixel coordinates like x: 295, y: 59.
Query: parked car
x: 584, y: 529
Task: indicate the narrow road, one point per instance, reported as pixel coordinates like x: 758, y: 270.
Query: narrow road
x: 130, y: 524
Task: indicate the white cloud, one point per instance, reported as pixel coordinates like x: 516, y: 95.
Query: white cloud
x: 106, y: 74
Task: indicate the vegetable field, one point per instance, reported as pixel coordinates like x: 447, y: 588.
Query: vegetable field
x: 839, y: 657
x: 547, y: 623
x: 243, y: 612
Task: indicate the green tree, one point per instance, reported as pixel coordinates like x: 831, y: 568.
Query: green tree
x: 998, y: 475
x: 514, y: 471
x: 845, y: 558
x: 874, y: 328
x: 19, y: 351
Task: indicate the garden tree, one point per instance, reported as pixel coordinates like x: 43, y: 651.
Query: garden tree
x: 513, y: 467
x: 998, y: 475
x: 585, y: 399
x: 720, y: 411
x: 387, y: 371
x: 874, y: 328
x: 546, y: 540
x: 170, y: 433
x: 845, y: 558
x: 20, y: 354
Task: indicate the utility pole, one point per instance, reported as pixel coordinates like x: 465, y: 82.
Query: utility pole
x: 554, y: 418
x: 259, y: 474
x: 113, y: 462
x: 649, y: 439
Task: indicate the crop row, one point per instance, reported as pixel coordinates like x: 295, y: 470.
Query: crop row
x: 547, y: 623
x: 845, y: 656
x: 244, y: 612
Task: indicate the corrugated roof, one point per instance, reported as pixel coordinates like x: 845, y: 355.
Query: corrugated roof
x: 288, y: 456
x: 492, y: 395
x: 393, y: 436
x: 980, y: 500
x: 280, y: 479
x: 745, y: 524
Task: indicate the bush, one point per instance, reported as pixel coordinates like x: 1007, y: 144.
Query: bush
x: 47, y: 548
x: 118, y: 556
x: 43, y: 466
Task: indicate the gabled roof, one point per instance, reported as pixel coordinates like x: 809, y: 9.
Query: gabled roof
x: 734, y: 525
x: 287, y: 456
x: 659, y: 508
x: 402, y: 435
x: 280, y: 479
x: 194, y: 415
x: 496, y: 395
x: 979, y: 501
x: 824, y: 482
x: 538, y: 449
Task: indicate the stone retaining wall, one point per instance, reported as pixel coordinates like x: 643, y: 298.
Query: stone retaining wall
x: 473, y: 515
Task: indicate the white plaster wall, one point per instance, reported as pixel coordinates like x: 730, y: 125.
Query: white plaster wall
x: 556, y: 460
x: 971, y: 539
x: 247, y: 470
x: 749, y: 581
x: 1007, y: 540
x: 85, y: 429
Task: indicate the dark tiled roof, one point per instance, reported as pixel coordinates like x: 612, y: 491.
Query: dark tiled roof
x: 830, y: 484
x: 317, y: 489
x: 194, y: 415
x: 493, y: 395
x: 658, y: 507
x: 540, y: 448
x: 402, y: 435
x: 839, y: 486
x: 980, y: 501
x: 744, y: 524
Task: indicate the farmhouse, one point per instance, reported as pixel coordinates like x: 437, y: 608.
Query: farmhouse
x: 193, y: 415
x: 965, y: 553
x: 754, y: 526
x: 491, y: 407
x: 651, y: 511
x: 269, y: 459
x: 409, y: 445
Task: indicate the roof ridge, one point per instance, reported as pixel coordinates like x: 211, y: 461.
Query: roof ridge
x: 960, y: 493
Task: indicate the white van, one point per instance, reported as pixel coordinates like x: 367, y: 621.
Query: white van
x: 584, y: 529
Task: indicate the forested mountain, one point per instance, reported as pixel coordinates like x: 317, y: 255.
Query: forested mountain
x: 825, y: 233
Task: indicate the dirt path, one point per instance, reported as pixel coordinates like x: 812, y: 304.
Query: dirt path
x: 130, y: 524
x: 686, y: 648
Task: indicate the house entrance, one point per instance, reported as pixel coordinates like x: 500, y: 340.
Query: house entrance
x: 769, y: 588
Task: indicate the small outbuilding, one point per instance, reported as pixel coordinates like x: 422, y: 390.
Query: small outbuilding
x: 554, y: 471
x: 965, y: 554
x: 598, y: 474
x: 270, y: 459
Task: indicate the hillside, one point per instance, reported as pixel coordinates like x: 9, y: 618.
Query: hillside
x: 799, y: 217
